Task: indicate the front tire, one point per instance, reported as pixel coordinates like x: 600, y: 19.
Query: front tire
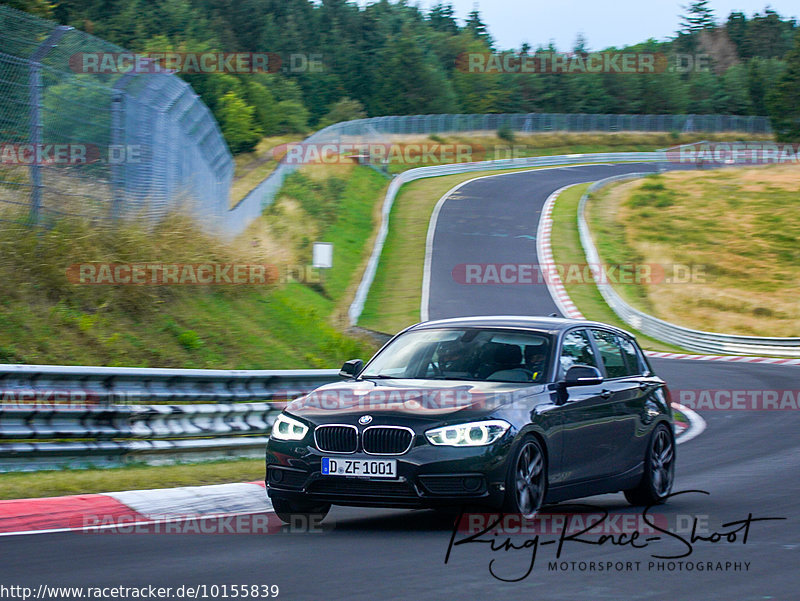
x: 527, y: 479
x: 659, y: 470
x: 290, y: 511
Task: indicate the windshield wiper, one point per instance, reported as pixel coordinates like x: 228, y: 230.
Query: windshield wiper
x: 379, y: 377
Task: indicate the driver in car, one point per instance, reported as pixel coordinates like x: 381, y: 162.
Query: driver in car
x: 535, y: 358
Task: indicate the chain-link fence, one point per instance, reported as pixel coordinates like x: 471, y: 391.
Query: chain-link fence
x: 100, y: 145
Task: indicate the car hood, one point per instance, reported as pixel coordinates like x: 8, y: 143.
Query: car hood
x: 429, y: 400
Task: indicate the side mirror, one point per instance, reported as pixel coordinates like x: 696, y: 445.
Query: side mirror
x: 582, y: 375
x: 351, y: 368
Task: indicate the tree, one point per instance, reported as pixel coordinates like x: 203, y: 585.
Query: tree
x: 717, y: 44
x: 293, y: 117
x: 345, y: 109
x: 238, y: 124
x: 700, y: 16
x: 581, y: 45
x: 784, y: 110
x: 768, y: 36
x: 736, y: 26
x: 442, y: 18
x: 478, y: 28
x: 410, y: 81
x: 755, y: 87
x: 734, y: 83
x: 40, y: 8
x: 263, y: 101
x: 476, y: 92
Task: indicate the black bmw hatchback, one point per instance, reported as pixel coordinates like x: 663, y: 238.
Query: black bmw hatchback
x: 508, y: 412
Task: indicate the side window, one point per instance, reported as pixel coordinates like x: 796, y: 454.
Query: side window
x: 576, y: 349
x: 633, y: 359
x: 611, y: 353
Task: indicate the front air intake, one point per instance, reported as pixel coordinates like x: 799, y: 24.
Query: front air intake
x: 387, y: 440
x: 336, y: 438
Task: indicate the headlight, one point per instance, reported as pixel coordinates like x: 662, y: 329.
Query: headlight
x: 473, y: 434
x: 287, y: 428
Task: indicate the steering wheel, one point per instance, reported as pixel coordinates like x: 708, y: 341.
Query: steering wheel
x: 437, y: 370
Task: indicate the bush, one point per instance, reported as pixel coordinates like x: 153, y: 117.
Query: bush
x: 190, y: 340
x: 505, y: 133
x: 238, y: 124
x: 345, y: 109
x: 293, y: 117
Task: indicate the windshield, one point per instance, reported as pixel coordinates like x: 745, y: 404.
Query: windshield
x: 464, y: 354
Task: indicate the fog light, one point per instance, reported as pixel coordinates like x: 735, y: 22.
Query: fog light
x: 471, y: 483
x: 276, y: 475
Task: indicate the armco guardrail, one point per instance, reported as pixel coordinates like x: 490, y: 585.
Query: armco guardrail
x: 696, y: 340
x: 55, y: 416
x: 357, y: 306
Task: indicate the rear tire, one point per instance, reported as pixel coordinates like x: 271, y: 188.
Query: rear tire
x: 527, y: 479
x: 659, y: 470
x: 289, y: 511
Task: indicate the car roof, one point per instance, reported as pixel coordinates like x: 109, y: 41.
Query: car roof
x: 552, y: 325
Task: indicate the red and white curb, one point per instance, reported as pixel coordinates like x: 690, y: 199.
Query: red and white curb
x: 545, y: 253
x: 685, y: 432
x: 116, y: 511
x: 564, y: 303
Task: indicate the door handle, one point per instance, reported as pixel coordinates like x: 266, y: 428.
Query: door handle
x: 606, y: 394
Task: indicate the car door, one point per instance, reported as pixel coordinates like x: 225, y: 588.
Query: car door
x: 627, y: 392
x: 650, y: 402
x: 588, y: 416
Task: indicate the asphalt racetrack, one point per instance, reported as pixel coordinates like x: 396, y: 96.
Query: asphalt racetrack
x: 747, y: 461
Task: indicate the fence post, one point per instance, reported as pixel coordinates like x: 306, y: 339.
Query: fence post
x: 36, y: 126
x: 118, y: 138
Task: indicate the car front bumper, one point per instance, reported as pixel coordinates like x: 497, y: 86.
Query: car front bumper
x: 428, y: 476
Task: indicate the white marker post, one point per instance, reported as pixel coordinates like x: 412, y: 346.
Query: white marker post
x: 322, y: 258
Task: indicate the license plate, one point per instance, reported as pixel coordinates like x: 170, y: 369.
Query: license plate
x: 371, y: 468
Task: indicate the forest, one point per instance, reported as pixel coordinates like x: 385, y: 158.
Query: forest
x: 393, y: 58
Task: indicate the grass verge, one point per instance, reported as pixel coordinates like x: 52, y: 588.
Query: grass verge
x: 28, y: 485
x: 45, y: 318
x: 567, y: 250
x: 722, y: 245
